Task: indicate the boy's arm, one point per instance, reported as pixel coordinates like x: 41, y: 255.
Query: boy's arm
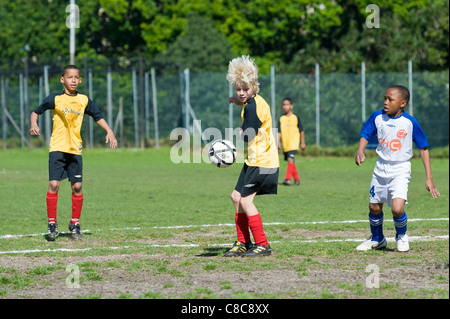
x: 34, y: 129
x: 360, y: 157
x: 109, y: 133
x: 302, y: 140
x: 278, y: 140
x: 429, y: 184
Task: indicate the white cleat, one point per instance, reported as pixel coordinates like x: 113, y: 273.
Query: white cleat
x: 372, y: 244
x: 402, y: 243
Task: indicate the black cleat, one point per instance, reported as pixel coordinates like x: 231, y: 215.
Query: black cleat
x: 52, y: 231
x: 297, y: 183
x: 286, y: 182
x: 237, y: 249
x: 76, y: 231
x: 257, y: 251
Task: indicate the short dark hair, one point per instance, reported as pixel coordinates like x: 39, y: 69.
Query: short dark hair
x: 287, y: 99
x: 69, y: 67
x: 403, y: 91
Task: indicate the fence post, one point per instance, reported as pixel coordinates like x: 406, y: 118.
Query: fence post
x: 47, y: 114
x: 230, y: 113
x: 410, y: 84
x: 4, y: 121
x: 317, y: 75
x: 135, y: 109
x: 363, y: 92
x: 155, y: 107
x: 22, y: 116
x: 91, y: 120
x: 272, y: 94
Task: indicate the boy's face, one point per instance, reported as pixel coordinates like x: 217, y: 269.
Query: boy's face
x: 394, y: 103
x: 244, y: 93
x: 287, y: 106
x: 71, y: 80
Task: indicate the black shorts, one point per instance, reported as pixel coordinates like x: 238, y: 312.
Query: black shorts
x: 257, y: 179
x: 64, y: 165
x: 289, y: 154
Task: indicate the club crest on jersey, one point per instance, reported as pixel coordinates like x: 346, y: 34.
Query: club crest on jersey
x: 401, y: 134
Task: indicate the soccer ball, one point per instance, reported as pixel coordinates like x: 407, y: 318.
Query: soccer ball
x: 222, y: 153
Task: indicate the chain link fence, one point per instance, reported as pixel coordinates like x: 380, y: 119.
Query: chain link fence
x: 144, y: 104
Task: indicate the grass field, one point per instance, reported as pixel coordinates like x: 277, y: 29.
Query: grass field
x: 154, y: 229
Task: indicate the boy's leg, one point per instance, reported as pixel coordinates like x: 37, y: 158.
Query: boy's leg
x: 241, y: 220
x: 400, y: 223
x: 254, y: 219
x: 52, y: 200
x: 377, y: 239
x: 77, y: 202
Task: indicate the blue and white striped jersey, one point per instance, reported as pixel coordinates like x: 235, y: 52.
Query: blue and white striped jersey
x: 395, y: 135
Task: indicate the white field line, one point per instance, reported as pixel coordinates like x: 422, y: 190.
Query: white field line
x: 233, y: 225
x: 390, y: 239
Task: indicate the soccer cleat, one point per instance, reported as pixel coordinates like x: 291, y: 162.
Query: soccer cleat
x: 297, y: 183
x: 402, y: 242
x: 372, y: 244
x: 258, y: 250
x: 286, y: 182
x: 76, y: 231
x: 52, y: 231
x: 237, y: 249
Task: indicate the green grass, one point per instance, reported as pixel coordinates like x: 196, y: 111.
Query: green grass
x: 130, y: 197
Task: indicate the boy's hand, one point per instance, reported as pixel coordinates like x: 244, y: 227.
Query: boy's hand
x: 235, y: 100
x: 429, y: 185
x: 360, y: 158
x: 111, y: 139
x: 35, y: 130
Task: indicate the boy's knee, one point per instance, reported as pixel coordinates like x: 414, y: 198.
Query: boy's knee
x: 235, y: 197
x: 53, y: 186
x: 76, y: 188
x: 375, y: 209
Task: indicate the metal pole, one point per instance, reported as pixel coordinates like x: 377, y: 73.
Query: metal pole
x: 155, y: 108
x: 186, y: 97
x: 4, y: 121
x: 317, y: 106
x: 73, y: 17
x: 363, y: 92
x: 147, y: 105
x: 410, y: 84
x: 272, y: 92
x: 230, y: 113
x: 22, y: 117
x: 47, y: 114
x: 109, y: 96
x: 91, y: 120
x: 135, y: 109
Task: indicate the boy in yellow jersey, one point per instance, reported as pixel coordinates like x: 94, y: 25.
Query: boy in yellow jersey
x: 291, y: 132
x: 65, y: 161
x: 260, y: 172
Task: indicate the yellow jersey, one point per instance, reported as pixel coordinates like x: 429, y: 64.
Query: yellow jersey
x: 67, y: 115
x: 257, y: 132
x: 290, y: 127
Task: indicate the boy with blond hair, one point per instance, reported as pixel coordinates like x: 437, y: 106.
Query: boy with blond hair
x: 260, y: 172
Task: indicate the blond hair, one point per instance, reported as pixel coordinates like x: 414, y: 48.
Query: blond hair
x: 243, y: 71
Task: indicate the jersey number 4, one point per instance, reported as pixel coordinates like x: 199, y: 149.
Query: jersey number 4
x: 372, y: 191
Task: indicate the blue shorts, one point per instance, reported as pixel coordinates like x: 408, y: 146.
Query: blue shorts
x: 64, y: 165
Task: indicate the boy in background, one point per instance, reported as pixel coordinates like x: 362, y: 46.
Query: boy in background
x: 291, y: 132
x: 396, y: 131
x: 65, y: 161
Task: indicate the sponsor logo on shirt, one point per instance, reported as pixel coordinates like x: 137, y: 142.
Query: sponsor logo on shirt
x: 394, y: 145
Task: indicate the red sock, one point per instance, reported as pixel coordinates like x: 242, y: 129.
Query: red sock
x: 294, y: 172
x: 52, y: 201
x: 289, y: 172
x: 243, y: 233
x: 77, y: 204
x: 256, y: 226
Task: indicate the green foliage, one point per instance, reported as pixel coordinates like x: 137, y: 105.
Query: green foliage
x: 293, y: 34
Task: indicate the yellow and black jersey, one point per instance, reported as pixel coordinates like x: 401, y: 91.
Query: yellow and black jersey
x: 67, y: 115
x: 290, y: 127
x: 257, y: 132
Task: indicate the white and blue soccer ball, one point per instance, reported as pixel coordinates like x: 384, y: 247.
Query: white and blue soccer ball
x: 222, y: 153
